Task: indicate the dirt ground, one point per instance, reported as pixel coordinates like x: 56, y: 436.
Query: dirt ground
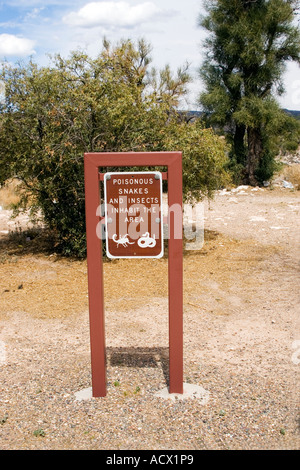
x: 241, y: 338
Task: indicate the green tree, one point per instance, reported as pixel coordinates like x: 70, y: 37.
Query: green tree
x: 115, y: 102
x: 248, y: 45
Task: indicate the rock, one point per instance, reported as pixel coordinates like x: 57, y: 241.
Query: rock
x: 257, y: 218
x: 287, y: 184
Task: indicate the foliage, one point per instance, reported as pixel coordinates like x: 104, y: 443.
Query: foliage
x: 114, y: 102
x: 204, y: 158
x: 248, y: 45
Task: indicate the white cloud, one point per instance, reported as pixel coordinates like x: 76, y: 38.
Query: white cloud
x: 32, y: 15
x: 119, y: 14
x: 11, y: 45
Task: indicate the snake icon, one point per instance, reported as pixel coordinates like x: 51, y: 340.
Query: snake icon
x: 146, y: 241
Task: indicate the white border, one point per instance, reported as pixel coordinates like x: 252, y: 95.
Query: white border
x: 109, y: 255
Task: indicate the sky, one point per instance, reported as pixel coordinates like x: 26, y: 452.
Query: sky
x: 38, y: 28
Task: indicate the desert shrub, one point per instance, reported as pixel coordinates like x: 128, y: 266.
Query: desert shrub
x: 53, y: 115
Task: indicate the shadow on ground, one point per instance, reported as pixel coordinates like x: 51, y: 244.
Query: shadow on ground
x: 140, y: 357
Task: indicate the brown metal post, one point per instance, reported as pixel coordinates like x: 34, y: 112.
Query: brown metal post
x: 95, y: 279
x: 92, y: 161
x: 175, y: 278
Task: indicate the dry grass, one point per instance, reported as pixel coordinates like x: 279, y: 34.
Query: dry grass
x: 292, y: 173
x: 9, y: 194
x: 53, y: 287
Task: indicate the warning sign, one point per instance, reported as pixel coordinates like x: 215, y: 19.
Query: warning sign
x: 133, y: 214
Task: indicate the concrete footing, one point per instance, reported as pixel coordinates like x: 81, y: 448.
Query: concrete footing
x: 189, y: 391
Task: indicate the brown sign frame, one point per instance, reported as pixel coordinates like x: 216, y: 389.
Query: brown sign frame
x: 92, y: 163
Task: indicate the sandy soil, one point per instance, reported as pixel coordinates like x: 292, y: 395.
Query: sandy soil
x: 241, y: 339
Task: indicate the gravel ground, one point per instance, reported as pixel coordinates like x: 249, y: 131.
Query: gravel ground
x: 241, y: 340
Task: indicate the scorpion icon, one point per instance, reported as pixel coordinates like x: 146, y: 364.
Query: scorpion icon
x: 123, y: 240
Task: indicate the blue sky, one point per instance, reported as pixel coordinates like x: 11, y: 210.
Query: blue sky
x: 39, y: 28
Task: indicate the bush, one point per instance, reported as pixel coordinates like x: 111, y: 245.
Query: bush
x: 53, y: 115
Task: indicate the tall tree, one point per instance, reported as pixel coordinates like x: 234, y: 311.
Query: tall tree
x: 248, y: 45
